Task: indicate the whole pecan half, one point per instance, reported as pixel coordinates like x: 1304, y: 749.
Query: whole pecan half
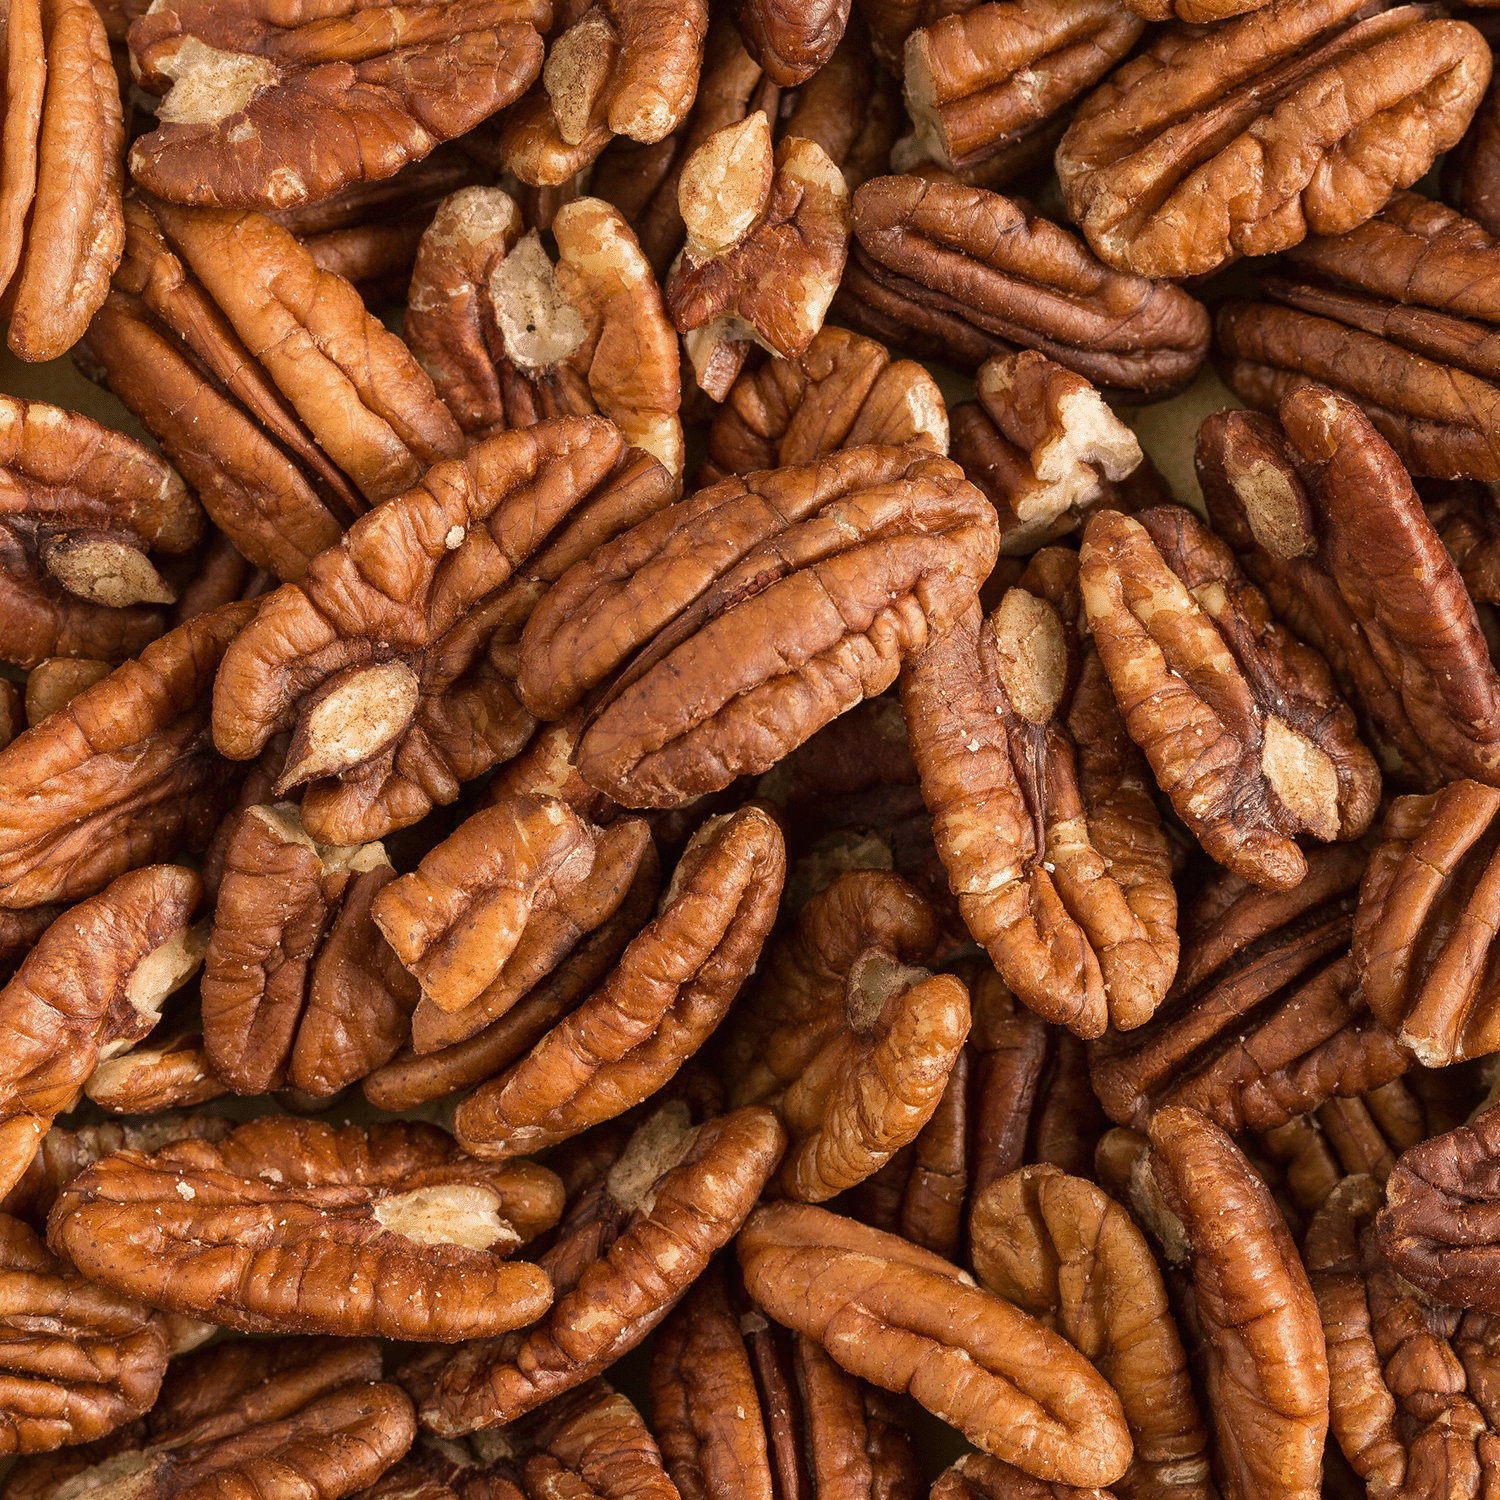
x: 1216, y: 144
x: 1042, y: 807
x: 960, y: 274
x: 124, y: 774
x: 292, y: 1226
x: 1242, y: 723
x: 388, y: 661
x: 905, y: 1319
x: 510, y: 338
x: 758, y: 610
x: 265, y: 108
x: 791, y: 42
x: 675, y: 1196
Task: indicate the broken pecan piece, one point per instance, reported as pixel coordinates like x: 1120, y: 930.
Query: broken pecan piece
x: 1215, y: 144
x: 175, y: 1073
x: 290, y: 1226
x: 1241, y: 722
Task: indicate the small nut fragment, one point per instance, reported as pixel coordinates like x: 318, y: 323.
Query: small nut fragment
x: 174, y: 1074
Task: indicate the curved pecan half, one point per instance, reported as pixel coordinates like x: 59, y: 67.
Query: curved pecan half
x: 792, y: 42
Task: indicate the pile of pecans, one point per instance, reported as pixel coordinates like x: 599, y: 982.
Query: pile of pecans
x: 611, y: 820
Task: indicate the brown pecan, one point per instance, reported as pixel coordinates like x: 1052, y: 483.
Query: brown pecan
x: 1212, y: 145
x: 1062, y: 1250
x: 907, y: 1320
x: 93, y: 985
x: 843, y: 392
x: 289, y: 1225
x: 975, y: 275
x: 791, y: 42
x: 1327, y: 520
x: 389, y: 661
x: 742, y: 1410
x: 55, y: 682
x: 767, y: 237
x: 1468, y: 177
x: 980, y: 82
x: 674, y: 1197
x: 1393, y: 315
x: 175, y: 1073
x: 977, y: 1476
x: 1042, y: 809
x: 509, y: 337
x: 265, y: 109
x: 1266, y: 1019
x: 126, y: 773
x: 669, y: 990
x: 1240, y: 721
x: 60, y: 226
x: 83, y: 511
x: 762, y: 608
x: 299, y: 986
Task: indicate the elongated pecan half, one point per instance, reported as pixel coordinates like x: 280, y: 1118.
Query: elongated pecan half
x: 1211, y: 145
x: 291, y: 1226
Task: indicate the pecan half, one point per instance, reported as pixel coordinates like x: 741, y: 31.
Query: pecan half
x: 674, y: 1197
x: 175, y: 1073
x: 1211, y: 145
x: 758, y: 610
x: 510, y: 338
x: 1241, y: 722
x: 791, y: 42
x: 124, y: 774
x: 291, y: 1226
x: 93, y: 985
x: 972, y: 274
x: 266, y: 108
x: 671, y: 987
x: 388, y: 661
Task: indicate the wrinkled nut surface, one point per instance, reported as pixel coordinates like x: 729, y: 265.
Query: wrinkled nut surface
x: 124, y: 774
x: 951, y: 262
x: 1214, y: 145
x: 678, y: 1194
x: 511, y: 338
x: 905, y: 1319
x: 1240, y: 721
x: 672, y: 986
x: 291, y: 1226
x: 749, y: 615
x: 767, y: 237
x: 267, y: 107
x: 92, y: 987
x: 791, y: 42
x: 175, y: 1073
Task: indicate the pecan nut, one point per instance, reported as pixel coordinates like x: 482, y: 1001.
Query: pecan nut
x: 175, y: 1073
x: 791, y: 42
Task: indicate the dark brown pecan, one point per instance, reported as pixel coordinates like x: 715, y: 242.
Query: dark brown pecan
x: 1242, y: 723
x: 1266, y: 1019
x: 1216, y: 144
x: 389, y: 662
x: 291, y: 1226
x: 673, y: 1198
x: 791, y: 42
x: 126, y: 773
x: 948, y: 260
x: 265, y: 108
x: 799, y: 598
x: 743, y: 1410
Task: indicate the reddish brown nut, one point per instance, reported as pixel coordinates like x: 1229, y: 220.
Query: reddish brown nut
x: 982, y: 82
x: 510, y: 338
x: 907, y: 1320
x: 674, y: 1198
x: 791, y: 42
x: 93, y: 985
x: 1266, y: 1019
x: 1213, y: 145
x: 977, y: 1476
x: 299, y: 986
x: 60, y: 225
x: 126, y: 773
x: 845, y: 391
x: 962, y: 274
x: 54, y: 683
x: 670, y: 989
x: 743, y: 1411
x: 1265, y: 1366
x: 291, y: 1226
x: 388, y: 662
x: 1062, y: 1250
x: 175, y: 1073
x: 1241, y: 722
x: 265, y: 108
x: 758, y: 610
